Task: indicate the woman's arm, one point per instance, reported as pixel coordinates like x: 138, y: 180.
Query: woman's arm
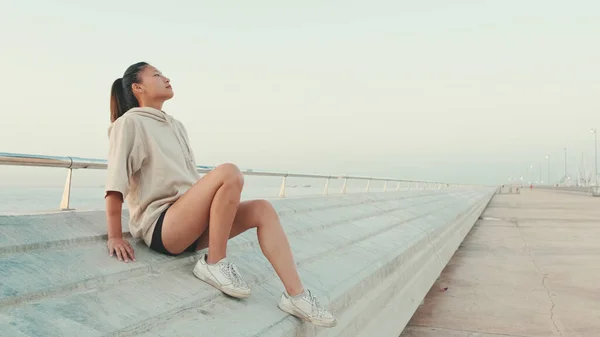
x: 125, y: 156
x: 114, y: 205
x: 116, y: 244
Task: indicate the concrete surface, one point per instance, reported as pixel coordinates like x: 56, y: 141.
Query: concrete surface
x: 530, y: 267
x: 370, y: 257
x: 566, y: 189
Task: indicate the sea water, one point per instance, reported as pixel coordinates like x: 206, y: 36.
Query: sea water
x: 42, y: 199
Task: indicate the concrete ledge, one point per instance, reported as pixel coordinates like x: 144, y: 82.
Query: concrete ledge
x: 591, y: 191
x: 370, y: 257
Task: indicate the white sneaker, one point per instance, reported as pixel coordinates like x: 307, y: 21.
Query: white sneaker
x: 307, y: 307
x: 222, y: 275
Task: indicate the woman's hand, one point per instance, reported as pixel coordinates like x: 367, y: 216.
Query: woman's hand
x: 116, y: 244
x: 121, y: 248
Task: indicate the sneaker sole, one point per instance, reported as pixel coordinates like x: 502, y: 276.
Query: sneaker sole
x: 294, y: 312
x: 217, y: 286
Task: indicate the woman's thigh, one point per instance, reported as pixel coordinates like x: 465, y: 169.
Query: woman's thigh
x: 188, y: 217
x: 248, y: 216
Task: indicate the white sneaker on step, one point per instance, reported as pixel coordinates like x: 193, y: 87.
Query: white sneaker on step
x: 307, y: 307
x: 222, y: 275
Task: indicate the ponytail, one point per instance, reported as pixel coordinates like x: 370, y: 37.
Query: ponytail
x: 122, y: 98
x: 118, y: 106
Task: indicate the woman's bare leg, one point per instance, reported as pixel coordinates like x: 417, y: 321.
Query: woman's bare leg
x: 273, y: 242
x: 212, y: 202
x: 261, y: 215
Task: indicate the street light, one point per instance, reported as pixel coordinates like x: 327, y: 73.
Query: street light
x: 595, y: 156
x: 548, y: 160
x: 565, y: 164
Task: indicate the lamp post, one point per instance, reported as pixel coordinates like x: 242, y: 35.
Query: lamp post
x: 595, y: 156
x: 565, y: 179
x: 548, y: 161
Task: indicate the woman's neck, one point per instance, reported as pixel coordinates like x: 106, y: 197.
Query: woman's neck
x: 156, y: 105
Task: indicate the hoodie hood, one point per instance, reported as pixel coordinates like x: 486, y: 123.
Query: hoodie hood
x: 157, y: 115
x: 174, y: 125
x: 149, y: 112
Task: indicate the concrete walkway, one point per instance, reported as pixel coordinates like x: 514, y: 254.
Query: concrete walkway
x: 529, y: 267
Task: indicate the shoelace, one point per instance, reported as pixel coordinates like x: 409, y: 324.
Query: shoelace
x: 231, y: 270
x: 312, y: 299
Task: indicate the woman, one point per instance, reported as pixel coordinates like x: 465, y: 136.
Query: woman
x: 174, y: 210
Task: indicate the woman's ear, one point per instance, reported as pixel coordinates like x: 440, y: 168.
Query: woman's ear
x: 136, y: 87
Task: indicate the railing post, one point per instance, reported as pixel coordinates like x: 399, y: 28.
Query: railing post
x: 368, y: 185
x: 282, y: 189
x: 64, y: 202
x: 344, y: 186
x: 325, y: 192
x: 398, y: 186
x: 385, y: 186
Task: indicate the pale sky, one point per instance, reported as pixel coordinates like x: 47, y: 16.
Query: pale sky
x: 460, y: 91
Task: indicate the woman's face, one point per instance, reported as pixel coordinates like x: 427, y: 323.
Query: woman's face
x: 153, y: 85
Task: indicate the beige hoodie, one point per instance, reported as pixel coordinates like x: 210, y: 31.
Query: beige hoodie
x: 151, y: 163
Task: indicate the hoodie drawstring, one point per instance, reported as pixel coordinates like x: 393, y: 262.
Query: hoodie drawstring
x: 185, y: 147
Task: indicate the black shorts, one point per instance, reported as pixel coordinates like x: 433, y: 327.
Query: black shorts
x: 157, y: 245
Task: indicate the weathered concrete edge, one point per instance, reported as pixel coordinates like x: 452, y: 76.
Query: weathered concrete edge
x: 399, y: 298
x: 567, y: 189
x: 386, y: 309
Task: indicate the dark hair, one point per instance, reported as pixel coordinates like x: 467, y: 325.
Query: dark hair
x: 121, y: 94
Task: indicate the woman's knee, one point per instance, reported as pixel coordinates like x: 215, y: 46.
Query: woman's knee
x: 261, y: 209
x: 230, y: 174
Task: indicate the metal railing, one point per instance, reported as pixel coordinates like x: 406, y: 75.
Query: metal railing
x: 73, y: 163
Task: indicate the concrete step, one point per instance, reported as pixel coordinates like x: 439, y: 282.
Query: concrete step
x: 361, y: 254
